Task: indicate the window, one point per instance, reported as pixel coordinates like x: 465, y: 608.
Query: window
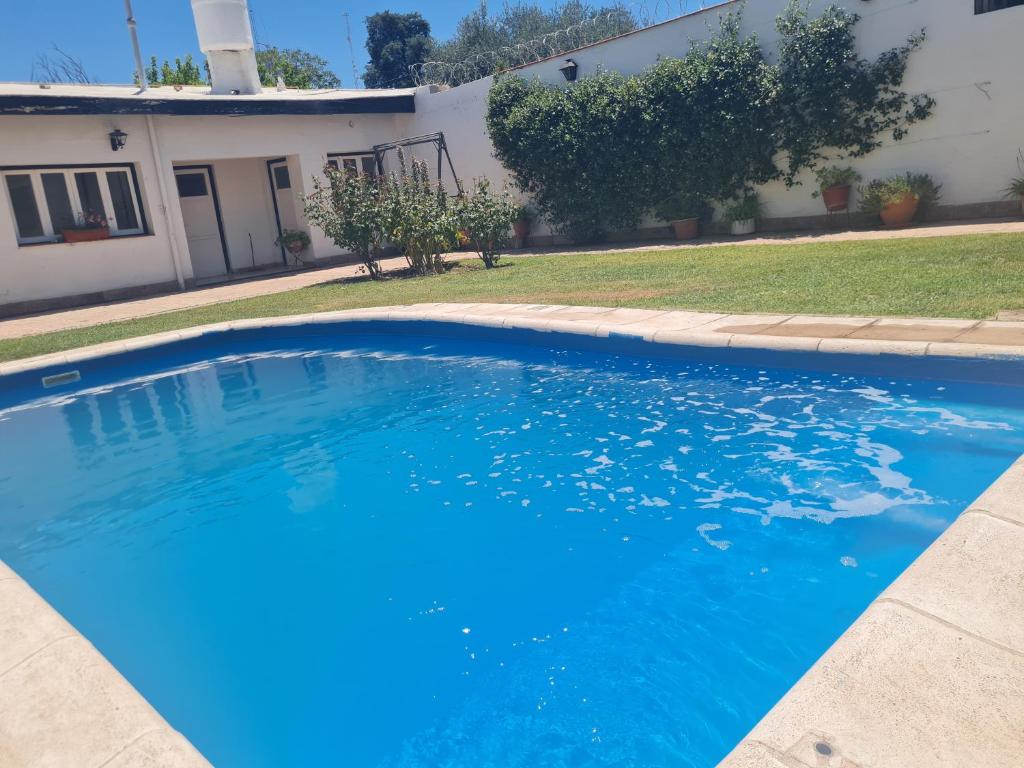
x: 191, y: 184
x: 984, y: 6
x: 360, y: 163
x: 281, y: 178
x: 45, y: 201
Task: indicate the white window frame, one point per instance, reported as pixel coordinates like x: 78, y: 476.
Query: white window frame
x: 338, y: 159
x: 35, y: 175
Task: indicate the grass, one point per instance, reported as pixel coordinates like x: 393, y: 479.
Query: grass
x: 970, y: 276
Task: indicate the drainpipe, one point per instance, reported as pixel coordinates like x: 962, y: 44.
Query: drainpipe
x: 172, y: 234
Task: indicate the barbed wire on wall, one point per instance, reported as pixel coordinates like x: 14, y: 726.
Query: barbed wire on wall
x: 636, y: 15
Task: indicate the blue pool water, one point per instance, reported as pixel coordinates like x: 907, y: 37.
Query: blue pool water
x: 422, y: 552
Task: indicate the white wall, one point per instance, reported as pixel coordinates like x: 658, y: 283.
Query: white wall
x: 237, y: 147
x: 968, y: 63
x: 59, y: 269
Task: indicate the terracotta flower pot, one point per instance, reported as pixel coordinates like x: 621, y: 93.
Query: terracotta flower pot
x: 836, y: 198
x: 85, y: 235
x: 686, y: 229
x: 521, y: 227
x: 900, y: 213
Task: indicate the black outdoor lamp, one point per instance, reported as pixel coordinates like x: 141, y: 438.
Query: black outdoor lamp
x: 117, y: 139
x: 569, y: 70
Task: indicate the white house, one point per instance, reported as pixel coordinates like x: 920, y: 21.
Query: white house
x: 197, y: 183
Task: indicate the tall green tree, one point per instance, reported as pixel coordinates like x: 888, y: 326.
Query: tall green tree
x: 485, y: 43
x: 298, y: 68
x: 395, y: 42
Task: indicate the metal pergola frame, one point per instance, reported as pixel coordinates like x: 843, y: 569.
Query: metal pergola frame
x: 437, y: 139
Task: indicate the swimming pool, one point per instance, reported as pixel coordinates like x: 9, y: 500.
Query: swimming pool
x: 401, y: 551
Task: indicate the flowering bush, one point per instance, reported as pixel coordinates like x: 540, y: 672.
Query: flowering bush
x: 486, y: 217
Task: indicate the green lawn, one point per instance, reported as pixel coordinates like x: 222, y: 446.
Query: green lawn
x: 969, y: 276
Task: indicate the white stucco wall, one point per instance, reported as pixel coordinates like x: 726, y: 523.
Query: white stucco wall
x: 968, y: 63
x: 237, y: 147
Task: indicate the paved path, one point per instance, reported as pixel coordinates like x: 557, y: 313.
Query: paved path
x: 127, y: 310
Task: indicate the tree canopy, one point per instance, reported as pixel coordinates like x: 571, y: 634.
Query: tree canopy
x: 298, y: 68
x: 395, y: 42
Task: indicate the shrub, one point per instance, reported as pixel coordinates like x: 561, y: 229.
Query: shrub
x: 829, y: 97
x: 678, y: 206
x: 883, y: 192
x: 833, y: 176
x: 419, y: 218
x: 486, y: 217
x: 1016, y: 185
x: 746, y: 207
x: 574, y: 150
x: 604, y: 151
x: 349, y: 208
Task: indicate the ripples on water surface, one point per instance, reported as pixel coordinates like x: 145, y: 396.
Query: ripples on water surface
x: 407, y: 553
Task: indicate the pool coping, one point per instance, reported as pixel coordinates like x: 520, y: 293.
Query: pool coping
x: 876, y: 698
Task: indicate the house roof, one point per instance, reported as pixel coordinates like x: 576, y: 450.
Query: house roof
x: 68, y: 99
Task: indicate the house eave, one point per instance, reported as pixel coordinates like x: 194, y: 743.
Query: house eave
x: 32, y: 104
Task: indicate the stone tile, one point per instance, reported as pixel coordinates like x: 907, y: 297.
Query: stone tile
x: 580, y: 327
x: 819, y: 327
x: 897, y: 329
x: 6, y: 572
x: 494, y: 309
x: 901, y: 690
x: 1005, y: 497
x: 27, y: 623
x: 849, y: 346
x: 958, y: 349
x: 750, y: 754
x: 66, y: 706
x: 160, y: 749
x: 973, y: 577
x: 678, y: 321
x: 745, y: 323
x: 994, y: 332
x: 696, y: 338
x: 773, y: 342
x: 616, y: 315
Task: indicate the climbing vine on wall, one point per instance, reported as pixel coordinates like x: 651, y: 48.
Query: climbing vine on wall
x: 599, y: 154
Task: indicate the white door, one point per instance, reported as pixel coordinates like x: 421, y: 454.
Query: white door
x: 202, y: 225
x: 284, y: 196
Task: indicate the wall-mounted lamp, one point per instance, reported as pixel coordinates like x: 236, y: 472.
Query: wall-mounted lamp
x: 569, y: 70
x: 117, y: 139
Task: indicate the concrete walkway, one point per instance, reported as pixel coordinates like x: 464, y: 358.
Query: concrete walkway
x: 127, y: 310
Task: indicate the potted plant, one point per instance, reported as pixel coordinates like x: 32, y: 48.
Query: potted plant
x: 743, y: 214
x: 682, y: 211
x: 1016, y: 187
x: 834, y: 187
x: 294, y: 241
x: 898, y: 199
x: 88, y: 226
x: 521, y: 225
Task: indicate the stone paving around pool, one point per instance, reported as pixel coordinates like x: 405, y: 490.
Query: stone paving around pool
x: 931, y: 674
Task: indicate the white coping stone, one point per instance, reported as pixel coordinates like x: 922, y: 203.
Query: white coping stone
x: 991, y: 550
x: 28, y: 624
x: 845, y: 346
x: 66, y: 706
x: 1005, y: 497
x: 902, y: 690
x: 775, y: 343
x: 697, y: 338
x: 159, y: 749
x: 964, y: 349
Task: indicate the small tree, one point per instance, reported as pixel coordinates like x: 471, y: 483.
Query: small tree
x: 486, y: 217
x: 422, y: 221
x: 351, y: 210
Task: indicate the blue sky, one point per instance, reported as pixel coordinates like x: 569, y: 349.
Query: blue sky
x: 95, y: 31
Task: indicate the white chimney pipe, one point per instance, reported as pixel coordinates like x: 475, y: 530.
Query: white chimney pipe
x: 225, y: 36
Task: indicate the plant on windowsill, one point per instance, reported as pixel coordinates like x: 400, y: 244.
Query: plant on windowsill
x: 834, y: 187
x: 743, y: 214
x: 898, y: 199
x: 682, y: 211
x: 1016, y: 187
x: 88, y: 226
x: 294, y: 241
